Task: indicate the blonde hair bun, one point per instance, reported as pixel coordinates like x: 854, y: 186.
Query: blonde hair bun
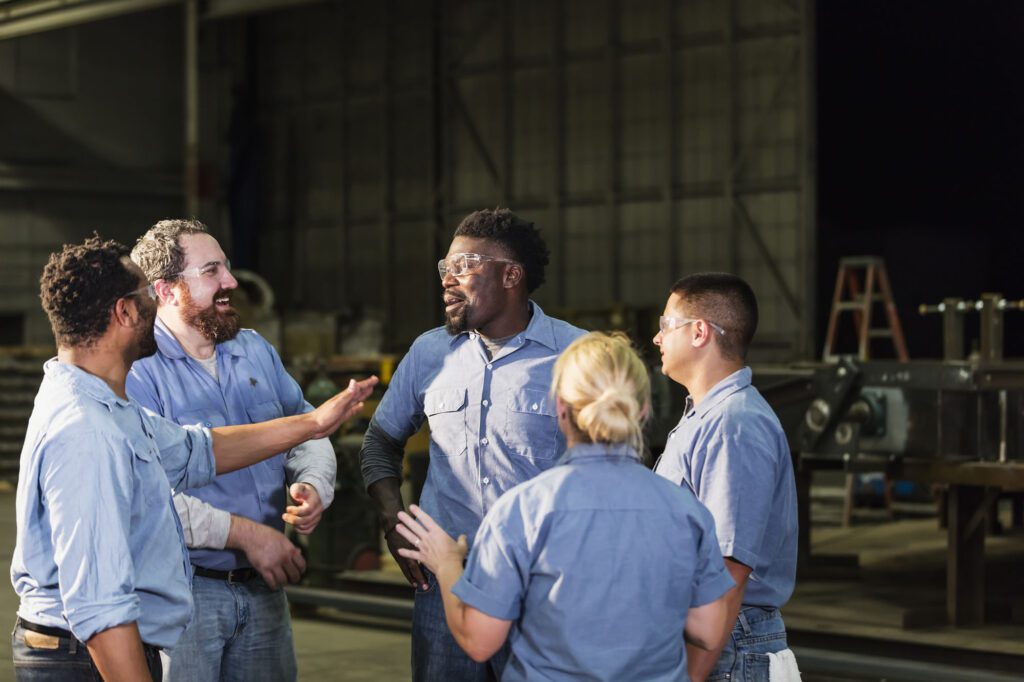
x: 606, y: 385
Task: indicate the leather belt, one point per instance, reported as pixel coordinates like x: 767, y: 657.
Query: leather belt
x: 238, y: 575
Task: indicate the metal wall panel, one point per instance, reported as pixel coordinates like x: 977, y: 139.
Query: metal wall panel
x: 647, y: 138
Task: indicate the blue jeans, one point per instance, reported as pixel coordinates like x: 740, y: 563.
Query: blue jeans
x: 239, y: 632
x: 436, y: 656
x: 757, y: 633
x: 42, y: 657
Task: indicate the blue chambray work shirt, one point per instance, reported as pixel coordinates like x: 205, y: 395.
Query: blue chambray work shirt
x: 596, y: 562
x: 731, y: 450
x: 98, y: 540
x: 253, y: 387
x: 492, y: 421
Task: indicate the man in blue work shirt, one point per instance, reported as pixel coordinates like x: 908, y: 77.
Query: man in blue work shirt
x: 208, y: 371
x: 482, y: 382
x: 730, y: 449
x: 99, y: 565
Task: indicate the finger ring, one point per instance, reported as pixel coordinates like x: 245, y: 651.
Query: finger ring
x: 417, y: 543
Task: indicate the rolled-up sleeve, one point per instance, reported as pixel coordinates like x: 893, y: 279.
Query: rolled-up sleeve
x: 89, y: 498
x: 186, y: 452
x: 314, y: 462
x: 203, y: 525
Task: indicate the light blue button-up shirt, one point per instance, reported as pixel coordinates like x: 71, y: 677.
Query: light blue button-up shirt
x: 492, y: 421
x: 596, y: 562
x: 731, y: 450
x: 253, y: 386
x: 98, y: 541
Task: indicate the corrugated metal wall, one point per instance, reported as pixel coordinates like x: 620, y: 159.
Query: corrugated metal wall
x: 647, y: 138
x: 90, y: 139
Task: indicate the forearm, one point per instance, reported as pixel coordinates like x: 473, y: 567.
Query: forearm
x: 387, y: 496
x: 454, y: 608
x: 236, y: 447
x: 118, y: 654
x: 701, y: 661
x: 241, y: 533
x: 381, y: 455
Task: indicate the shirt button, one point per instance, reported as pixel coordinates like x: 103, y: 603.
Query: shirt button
x: 535, y: 407
x: 486, y: 480
x: 483, y: 441
x: 441, y: 405
x: 490, y: 366
x: 209, y: 425
x: 486, y: 403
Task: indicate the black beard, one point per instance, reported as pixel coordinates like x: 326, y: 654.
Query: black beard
x: 457, y: 323
x: 145, y: 340
x: 214, y: 325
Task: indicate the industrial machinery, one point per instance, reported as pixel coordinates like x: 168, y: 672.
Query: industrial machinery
x: 957, y: 422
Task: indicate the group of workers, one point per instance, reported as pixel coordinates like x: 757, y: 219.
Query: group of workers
x: 151, y: 498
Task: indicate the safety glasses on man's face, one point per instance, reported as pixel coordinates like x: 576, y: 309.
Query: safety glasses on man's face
x: 667, y: 324
x: 149, y: 290
x: 459, y: 264
x: 211, y: 269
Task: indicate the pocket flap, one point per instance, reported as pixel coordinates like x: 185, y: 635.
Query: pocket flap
x: 531, y: 401
x: 443, y: 400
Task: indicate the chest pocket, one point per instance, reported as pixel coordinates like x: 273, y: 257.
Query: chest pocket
x: 445, y: 409
x: 531, y: 429
x: 206, y: 418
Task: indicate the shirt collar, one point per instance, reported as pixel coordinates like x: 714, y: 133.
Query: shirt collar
x: 736, y: 381
x: 539, y: 329
x: 78, y: 380
x: 604, y: 450
x: 169, y: 345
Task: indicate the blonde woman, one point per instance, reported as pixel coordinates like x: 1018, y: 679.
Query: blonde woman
x: 572, y: 565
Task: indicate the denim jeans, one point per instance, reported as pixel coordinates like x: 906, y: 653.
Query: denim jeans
x: 436, y: 656
x: 239, y: 632
x: 51, y: 658
x: 757, y: 633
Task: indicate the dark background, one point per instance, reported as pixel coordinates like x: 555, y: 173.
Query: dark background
x: 921, y: 154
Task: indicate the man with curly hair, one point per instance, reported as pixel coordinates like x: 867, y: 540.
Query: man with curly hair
x: 482, y: 382
x: 208, y: 370
x: 100, y: 564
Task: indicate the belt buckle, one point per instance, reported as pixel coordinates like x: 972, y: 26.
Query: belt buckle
x: 231, y: 577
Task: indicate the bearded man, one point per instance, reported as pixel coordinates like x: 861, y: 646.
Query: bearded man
x: 209, y: 371
x: 483, y: 382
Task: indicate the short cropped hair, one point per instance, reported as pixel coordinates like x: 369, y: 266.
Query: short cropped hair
x: 726, y: 300
x: 518, y: 237
x: 159, y: 252
x: 78, y: 287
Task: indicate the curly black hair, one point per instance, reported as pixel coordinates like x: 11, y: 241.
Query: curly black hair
x: 518, y: 237
x: 79, y: 285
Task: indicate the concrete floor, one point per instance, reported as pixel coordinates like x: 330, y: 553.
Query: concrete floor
x: 329, y: 647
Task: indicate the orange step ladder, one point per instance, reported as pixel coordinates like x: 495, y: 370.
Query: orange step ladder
x: 849, y: 297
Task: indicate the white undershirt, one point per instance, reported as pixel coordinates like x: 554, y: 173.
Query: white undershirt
x: 210, y: 365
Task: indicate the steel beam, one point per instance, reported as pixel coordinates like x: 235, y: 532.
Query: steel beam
x: 23, y: 19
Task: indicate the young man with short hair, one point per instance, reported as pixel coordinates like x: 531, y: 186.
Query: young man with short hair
x: 730, y: 449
